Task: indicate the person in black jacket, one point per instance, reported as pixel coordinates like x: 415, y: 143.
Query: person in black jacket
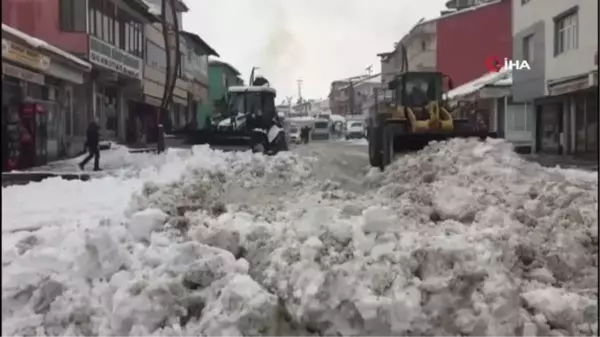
x: 93, y: 145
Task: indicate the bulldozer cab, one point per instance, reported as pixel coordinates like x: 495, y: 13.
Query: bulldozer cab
x: 417, y: 89
x: 249, y: 108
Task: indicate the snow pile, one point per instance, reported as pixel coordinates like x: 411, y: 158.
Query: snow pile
x: 80, y: 273
x: 462, y: 238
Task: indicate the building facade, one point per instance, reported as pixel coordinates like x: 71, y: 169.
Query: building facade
x: 420, y: 44
x: 467, y: 38
x: 196, y: 72
x: 451, y: 45
x: 221, y: 75
x: 560, y: 41
x: 38, y: 82
x: 110, y: 35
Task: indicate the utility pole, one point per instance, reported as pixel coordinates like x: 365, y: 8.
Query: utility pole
x: 299, y: 81
x: 369, y: 69
x: 289, y: 101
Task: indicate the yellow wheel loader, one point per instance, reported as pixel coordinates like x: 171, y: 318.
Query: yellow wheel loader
x: 417, y: 115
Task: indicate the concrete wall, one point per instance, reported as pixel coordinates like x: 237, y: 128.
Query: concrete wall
x: 421, y: 48
x: 530, y: 84
x: 466, y: 39
x: 41, y: 19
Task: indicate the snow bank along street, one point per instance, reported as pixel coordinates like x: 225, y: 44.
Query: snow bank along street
x: 461, y: 238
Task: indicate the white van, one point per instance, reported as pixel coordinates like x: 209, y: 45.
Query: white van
x: 321, y: 129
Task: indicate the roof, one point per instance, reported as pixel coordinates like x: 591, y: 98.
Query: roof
x: 224, y: 64
x: 236, y: 88
x: 422, y: 21
x: 150, y: 11
x: 200, y: 42
x: 500, y: 78
x: 39, y: 44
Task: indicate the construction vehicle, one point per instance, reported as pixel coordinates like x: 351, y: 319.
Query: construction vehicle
x: 251, y: 122
x: 417, y: 115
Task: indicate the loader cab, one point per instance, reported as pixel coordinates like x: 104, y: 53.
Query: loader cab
x: 417, y: 89
x: 250, y: 107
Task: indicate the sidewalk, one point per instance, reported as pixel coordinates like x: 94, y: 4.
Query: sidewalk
x: 563, y: 161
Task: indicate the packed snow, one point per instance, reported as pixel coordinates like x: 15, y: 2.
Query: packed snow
x: 462, y: 238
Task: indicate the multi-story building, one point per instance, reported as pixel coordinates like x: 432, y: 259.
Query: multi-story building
x: 348, y: 96
x: 110, y: 34
x: 35, y: 72
x: 339, y: 97
x: 559, y: 39
x: 196, y: 72
x: 450, y: 43
x: 420, y: 47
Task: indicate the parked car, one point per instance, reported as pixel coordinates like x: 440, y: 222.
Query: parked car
x: 355, y: 130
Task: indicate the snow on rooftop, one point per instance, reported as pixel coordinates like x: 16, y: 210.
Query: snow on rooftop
x: 37, y: 43
x: 153, y: 9
x: 490, y: 78
x: 251, y: 89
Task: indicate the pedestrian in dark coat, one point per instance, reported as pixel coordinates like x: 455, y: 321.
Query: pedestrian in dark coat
x: 92, y: 143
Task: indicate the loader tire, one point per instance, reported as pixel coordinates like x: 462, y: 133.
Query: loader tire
x: 387, y: 140
x: 375, y: 140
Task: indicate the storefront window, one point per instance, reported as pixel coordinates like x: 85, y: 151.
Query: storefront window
x: 550, y: 128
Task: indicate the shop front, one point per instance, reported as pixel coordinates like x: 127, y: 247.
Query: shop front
x: 549, y: 124
x: 33, y: 82
x: 118, y: 79
x: 197, y: 97
x: 586, y: 123
x: 178, y: 111
x: 568, y: 117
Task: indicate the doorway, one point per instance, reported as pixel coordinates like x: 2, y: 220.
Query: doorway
x: 549, y: 125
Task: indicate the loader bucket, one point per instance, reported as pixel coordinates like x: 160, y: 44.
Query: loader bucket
x: 222, y: 140
x: 416, y: 141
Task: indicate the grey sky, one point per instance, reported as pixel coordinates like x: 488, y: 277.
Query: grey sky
x: 316, y: 40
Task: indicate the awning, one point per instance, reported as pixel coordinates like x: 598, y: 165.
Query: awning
x: 500, y: 78
x: 569, y: 84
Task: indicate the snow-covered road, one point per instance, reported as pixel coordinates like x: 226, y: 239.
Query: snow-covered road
x: 462, y: 238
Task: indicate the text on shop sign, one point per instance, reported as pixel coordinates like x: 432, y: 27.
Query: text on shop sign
x: 106, y: 55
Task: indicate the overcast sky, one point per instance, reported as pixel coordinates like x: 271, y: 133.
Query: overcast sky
x: 316, y: 40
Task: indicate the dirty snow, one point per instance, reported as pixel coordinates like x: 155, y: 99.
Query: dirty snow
x: 463, y: 238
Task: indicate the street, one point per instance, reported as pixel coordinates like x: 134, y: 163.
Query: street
x: 311, y: 241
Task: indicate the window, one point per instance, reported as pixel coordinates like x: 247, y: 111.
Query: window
x: 566, y: 35
x: 423, y: 45
x: 528, y: 48
x: 72, y: 16
x: 116, y: 26
x: 156, y: 56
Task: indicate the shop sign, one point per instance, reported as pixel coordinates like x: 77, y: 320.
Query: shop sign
x: 25, y: 56
x: 111, y: 57
x: 23, y: 74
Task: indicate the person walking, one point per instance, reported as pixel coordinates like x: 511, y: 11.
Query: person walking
x: 92, y: 143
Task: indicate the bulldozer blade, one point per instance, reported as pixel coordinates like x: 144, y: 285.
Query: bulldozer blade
x: 417, y: 141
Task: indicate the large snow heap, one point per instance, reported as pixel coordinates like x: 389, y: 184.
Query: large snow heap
x: 462, y: 238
